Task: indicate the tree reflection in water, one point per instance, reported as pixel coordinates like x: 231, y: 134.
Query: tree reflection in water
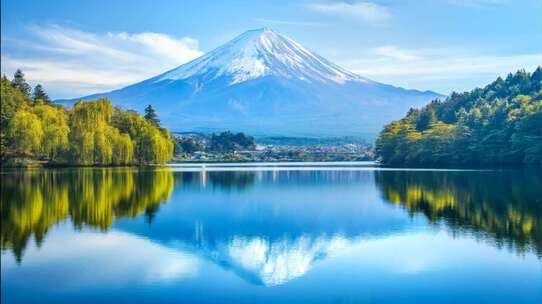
x: 33, y: 201
x: 504, y: 207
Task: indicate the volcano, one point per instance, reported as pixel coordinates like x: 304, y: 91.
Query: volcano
x: 265, y: 83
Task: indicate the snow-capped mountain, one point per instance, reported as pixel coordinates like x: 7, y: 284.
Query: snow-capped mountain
x: 264, y: 83
x: 260, y: 53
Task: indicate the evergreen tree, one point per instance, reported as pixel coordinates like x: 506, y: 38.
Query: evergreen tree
x: 39, y: 94
x: 19, y: 82
x: 426, y: 119
x: 498, y: 124
x: 150, y: 115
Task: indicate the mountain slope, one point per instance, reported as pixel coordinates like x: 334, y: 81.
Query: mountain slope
x: 265, y: 83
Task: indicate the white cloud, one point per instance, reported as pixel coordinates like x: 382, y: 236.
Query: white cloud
x: 112, y: 253
x: 366, y: 11
x: 437, y: 69
x: 180, y: 50
x: 70, y: 62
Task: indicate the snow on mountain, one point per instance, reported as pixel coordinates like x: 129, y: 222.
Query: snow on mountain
x: 258, y: 53
x: 276, y: 263
x: 264, y: 83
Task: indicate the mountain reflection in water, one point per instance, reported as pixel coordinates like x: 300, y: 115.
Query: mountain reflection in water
x: 270, y: 227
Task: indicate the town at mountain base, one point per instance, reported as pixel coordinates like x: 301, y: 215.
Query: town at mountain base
x: 498, y: 124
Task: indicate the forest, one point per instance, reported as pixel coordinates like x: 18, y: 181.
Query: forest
x: 33, y: 131
x: 498, y: 124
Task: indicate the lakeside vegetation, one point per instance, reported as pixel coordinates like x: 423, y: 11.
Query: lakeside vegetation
x: 498, y: 124
x: 32, y: 201
x: 36, y: 131
x: 225, y: 142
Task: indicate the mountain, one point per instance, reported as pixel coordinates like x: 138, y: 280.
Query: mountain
x: 264, y: 83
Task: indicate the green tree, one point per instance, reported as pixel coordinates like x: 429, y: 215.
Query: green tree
x: 123, y: 149
x: 26, y: 131
x: 11, y: 100
x: 188, y: 145
x: 89, y: 122
x: 427, y: 118
x: 229, y: 142
x: 39, y: 94
x: 498, y: 124
x: 19, y: 83
x: 91, y: 133
x: 54, y: 123
x: 151, y: 144
x: 150, y: 115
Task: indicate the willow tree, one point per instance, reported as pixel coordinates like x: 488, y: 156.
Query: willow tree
x: 96, y: 138
x: 123, y: 148
x: 152, y: 145
x: 54, y: 123
x: 26, y: 131
x: 89, y: 122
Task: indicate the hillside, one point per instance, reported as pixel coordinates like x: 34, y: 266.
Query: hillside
x: 498, y: 124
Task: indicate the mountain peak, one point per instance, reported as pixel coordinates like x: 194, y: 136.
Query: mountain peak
x: 262, y: 30
x: 258, y: 53
x: 265, y: 83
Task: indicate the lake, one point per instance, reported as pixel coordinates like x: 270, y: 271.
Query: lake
x: 291, y: 233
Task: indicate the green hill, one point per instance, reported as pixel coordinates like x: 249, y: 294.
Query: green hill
x: 498, y: 124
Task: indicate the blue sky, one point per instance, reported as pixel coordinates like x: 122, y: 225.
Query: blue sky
x: 76, y: 48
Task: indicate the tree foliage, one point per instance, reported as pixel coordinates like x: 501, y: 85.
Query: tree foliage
x: 26, y: 131
x: 229, y: 142
x: 498, y: 124
x: 188, y: 145
x: 151, y: 144
x: 54, y: 123
x: 11, y: 100
x: 39, y: 94
x: 150, y: 115
x: 91, y: 133
x: 20, y: 83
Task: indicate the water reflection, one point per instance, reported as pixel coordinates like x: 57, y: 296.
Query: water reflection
x: 277, y: 262
x: 33, y: 201
x: 225, y: 181
x: 268, y: 227
x: 504, y: 207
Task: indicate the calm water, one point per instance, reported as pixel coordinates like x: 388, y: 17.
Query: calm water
x: 271, y: 235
